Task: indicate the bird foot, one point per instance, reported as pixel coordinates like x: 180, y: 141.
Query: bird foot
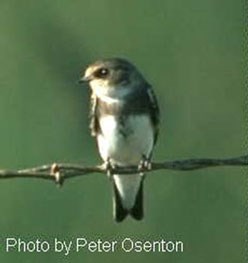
x: 145, y: 164
x: 109, y: 168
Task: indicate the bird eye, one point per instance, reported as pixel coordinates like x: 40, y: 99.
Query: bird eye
x: 102, y: 72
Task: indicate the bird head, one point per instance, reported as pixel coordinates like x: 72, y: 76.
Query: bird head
x: 110, y: 77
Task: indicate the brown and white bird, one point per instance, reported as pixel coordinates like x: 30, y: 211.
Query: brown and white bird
x: 124, y: 120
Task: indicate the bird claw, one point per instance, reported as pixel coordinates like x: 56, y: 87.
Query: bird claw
x: 109, y: 168
x: 145, y: 164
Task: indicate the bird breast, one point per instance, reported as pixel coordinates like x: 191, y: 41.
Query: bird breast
x: 125, y: 140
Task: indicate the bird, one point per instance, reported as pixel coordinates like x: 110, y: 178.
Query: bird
x: 124, y: 119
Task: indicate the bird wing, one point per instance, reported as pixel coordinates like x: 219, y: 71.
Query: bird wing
x: 154, y: 110
x: 94, y: 122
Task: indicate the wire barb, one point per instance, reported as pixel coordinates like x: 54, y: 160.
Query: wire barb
x: 56, y: 173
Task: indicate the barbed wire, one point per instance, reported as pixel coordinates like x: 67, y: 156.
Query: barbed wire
x: 59, y: 172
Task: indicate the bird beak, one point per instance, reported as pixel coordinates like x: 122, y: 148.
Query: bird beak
x: 84, y: 79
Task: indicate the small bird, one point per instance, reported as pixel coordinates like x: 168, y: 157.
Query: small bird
x: 124, y: 119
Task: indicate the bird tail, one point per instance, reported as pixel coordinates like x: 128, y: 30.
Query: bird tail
x: 120, y: 208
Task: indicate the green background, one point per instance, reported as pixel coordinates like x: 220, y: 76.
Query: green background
x: 191, y: 52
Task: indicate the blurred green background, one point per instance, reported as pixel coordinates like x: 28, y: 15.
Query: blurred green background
x: 191, y: 52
